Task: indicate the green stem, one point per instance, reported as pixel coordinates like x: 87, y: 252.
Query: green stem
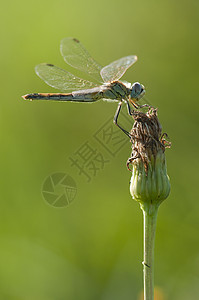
x: 150, y: 218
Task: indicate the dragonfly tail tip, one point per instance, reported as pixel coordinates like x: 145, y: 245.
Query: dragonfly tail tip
x: 25, y: 97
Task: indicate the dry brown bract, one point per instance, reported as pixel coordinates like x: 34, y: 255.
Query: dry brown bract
x: 146, y: 137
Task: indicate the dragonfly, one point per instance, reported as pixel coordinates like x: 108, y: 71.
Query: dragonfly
x: 105, y: 84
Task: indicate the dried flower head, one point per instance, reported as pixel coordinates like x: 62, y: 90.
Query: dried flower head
x: 149, y: 181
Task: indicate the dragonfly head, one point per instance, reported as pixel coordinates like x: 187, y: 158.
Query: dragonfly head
x: 137, y: 91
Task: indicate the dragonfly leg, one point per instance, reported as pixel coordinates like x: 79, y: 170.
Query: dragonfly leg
x: 131, y: 159
x: 133, y: 103
x: 129, y: 108
x: 136, y: 105
x: 116, y: 117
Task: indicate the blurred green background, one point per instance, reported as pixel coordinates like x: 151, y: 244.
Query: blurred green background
x: 92, y: 248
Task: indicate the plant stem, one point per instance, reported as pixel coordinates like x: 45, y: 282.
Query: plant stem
x: 150, y: 218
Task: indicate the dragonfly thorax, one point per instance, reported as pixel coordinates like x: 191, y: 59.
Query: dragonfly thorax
x: 137, y: 91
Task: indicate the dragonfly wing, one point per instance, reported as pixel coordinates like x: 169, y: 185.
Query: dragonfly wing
x: 116, y: 69
x: 78, y: 57
x: 61, y: 79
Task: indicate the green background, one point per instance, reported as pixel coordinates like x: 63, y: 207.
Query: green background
x: 92, y: 248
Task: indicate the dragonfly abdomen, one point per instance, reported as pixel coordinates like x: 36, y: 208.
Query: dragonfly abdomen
x: 48, y: 96
x: 89, y: 95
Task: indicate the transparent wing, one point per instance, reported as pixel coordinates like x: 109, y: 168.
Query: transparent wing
x: 61, y: 79
x: 78, y: 57
x: 116, y: 69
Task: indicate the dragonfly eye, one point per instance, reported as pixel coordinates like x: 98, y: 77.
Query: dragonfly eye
x: 137, y: 90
